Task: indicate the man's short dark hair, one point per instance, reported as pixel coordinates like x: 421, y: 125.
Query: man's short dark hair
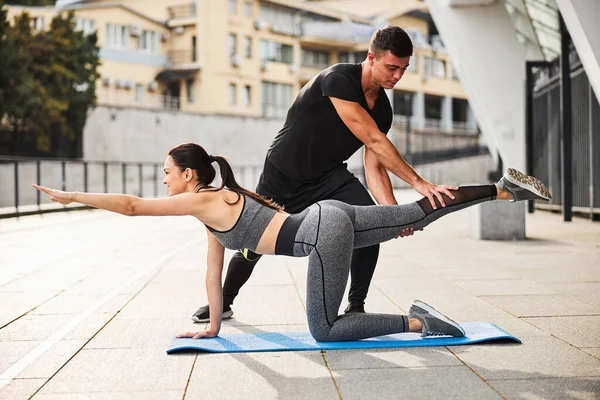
x: 392, y: 38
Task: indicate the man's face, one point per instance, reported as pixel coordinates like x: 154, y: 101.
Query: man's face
x: 387, y: 68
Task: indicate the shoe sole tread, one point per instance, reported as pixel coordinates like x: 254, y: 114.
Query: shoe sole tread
x: 531, y: 183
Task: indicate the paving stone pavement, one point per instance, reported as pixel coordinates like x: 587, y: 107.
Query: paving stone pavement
x: 89, y: 301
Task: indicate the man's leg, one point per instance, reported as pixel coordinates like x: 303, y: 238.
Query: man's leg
x: 239, y: 270
x: 364, y: 260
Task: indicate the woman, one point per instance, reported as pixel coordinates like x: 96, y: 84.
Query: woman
x: 326, y: 232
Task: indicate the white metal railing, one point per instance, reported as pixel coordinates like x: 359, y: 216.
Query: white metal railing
x: 460, y: 126
x: 274, y: 111
x: 431, y: 123
x: 403, y: 119
x: 168, y: 102
x: 128, y: 98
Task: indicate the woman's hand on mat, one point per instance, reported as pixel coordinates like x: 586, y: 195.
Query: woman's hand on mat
x: 430, y: 190
x: 208, y: 333
x: 57, y: 196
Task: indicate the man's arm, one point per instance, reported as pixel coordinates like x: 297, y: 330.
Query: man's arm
x: 380, y: 185
x: 378, y: 179
x: 365, y: 129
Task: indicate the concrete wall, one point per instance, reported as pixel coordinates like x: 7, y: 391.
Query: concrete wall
x: 464, y: 171
x: 482, y: 42
x: 125, y: 134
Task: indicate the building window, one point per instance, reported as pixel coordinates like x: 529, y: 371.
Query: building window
x: 232, y: 44
x: 273, y: 51
x: 460, y: 110
x: 232, y: 6
x: 37, y: 24
x: 276, y: 99
x: 247, y: 95
x: 413, y: 64
x: 352, y: 57
x: 189, y: 85
x: 117, y: 36
x: 315, y: 59
x: 247, y: 47
x: 248, y: 9
x: 433, y: 107
x: 403, y: 102
x: 140, y: 90
x: 281, y: 20
x: 148, y: 41
x: 434, y: 67
x: 454, y: 73
x: 232, y: 94
x: 86, y: 26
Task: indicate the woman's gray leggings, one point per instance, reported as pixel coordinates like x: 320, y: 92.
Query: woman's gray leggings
x: 328, y: 234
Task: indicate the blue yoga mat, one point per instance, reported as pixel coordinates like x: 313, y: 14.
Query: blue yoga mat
x: 476, y: 332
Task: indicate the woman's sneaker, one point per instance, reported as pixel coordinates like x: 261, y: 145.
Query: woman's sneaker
x: 523, y: 187
x: 203, y: 314
x: 434, y: 322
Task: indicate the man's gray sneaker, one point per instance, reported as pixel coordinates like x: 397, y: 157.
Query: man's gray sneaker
x: 434, y: 322
x: 203, y: 314
x: 523, y: 187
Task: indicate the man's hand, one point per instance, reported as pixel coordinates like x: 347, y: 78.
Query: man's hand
x: 209, y: 333
x: 430, y: 190
x: 406, y: 232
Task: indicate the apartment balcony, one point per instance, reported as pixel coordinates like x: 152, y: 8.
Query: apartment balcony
x: 463, y: 127
x: 342, y: 31
x: 307, y: 72
x: 182, y: 57
x: 344, y: 35
x: 142, y: 100
x: 435, y: 126
x: 171, y: 103
x: 182, y: 11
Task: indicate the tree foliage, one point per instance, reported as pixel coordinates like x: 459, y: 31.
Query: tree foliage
x: 48, y: 80
x: 33, y: 2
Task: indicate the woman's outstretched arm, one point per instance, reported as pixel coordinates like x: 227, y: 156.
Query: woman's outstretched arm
x: 181, y: 204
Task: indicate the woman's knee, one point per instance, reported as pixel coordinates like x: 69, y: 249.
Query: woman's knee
x: 337, y: 220
x: 319, y: 331
x: 338, y: 205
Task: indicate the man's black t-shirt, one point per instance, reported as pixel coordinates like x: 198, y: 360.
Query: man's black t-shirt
x: 314, y: 140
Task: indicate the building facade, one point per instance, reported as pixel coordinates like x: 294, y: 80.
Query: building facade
x: 251, y: 57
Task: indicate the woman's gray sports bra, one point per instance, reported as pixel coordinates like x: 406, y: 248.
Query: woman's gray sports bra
x: 249, y: 227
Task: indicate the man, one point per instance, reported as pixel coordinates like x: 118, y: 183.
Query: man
x: 341, y: 109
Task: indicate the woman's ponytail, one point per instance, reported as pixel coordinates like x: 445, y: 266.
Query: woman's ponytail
x: 228, y: 181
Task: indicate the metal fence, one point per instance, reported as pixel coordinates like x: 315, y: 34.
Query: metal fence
x: 143, y: 179
x: 547, y: 139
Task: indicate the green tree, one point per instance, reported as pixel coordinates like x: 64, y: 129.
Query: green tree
x: 33, y: 2
x: 5, y: 55
x: 82, y: 58
x: 19, y: 84
x: 50, y: 79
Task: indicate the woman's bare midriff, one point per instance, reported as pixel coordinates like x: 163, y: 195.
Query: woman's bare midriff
x: 266, y: 245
